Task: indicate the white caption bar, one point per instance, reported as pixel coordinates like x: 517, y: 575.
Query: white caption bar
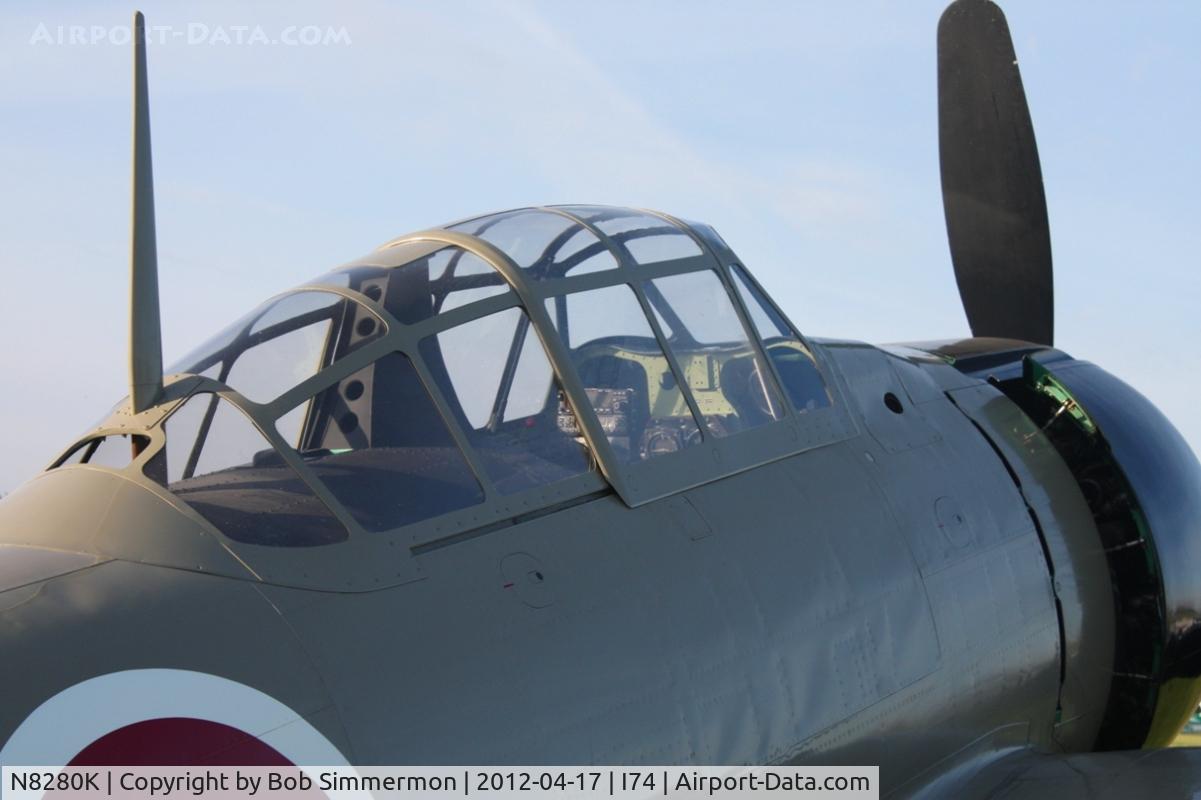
x: 438, y: 783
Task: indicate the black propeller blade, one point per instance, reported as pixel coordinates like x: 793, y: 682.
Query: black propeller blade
x: 992, y: 186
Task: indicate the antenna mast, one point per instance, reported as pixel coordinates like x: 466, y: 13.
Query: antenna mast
x: 145, y: 329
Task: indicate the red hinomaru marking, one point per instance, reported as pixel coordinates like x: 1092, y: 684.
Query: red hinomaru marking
x: 178, y: 741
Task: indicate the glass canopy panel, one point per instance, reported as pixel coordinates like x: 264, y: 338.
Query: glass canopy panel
x: 378, y: 442
x: 583, y: 253
x: 544, y: 244
x: 724, y: 372
x: 114, y: 450
x: 627, y: 378
x: 219, y: 463
x: 495, y: 374
x: 793, y: 360
x: 415, y: 281
x: 648, y: 239
x: 283, y: 342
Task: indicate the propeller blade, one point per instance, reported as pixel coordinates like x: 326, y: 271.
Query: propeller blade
x: 145, y: 334
x: 992, y: 185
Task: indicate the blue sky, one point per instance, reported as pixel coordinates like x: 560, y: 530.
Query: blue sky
x: 804, y: 132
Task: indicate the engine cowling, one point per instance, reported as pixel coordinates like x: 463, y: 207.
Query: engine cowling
x: 1143, y: 485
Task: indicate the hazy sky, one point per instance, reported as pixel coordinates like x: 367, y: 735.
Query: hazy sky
x: 804, y: 132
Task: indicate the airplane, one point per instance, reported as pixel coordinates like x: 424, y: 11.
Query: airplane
x: 564, y: 485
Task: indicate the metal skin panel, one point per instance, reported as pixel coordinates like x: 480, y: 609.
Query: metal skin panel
x: 947, y: 513
x: 118, y: 616
x: 869, y: 376
x: 649, y: 644
x: 21, y: 566
x: 988, y: 585
x: 1082, y: 581
x: 99, y: 512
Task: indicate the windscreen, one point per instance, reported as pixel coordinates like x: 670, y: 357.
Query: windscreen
x: 282, y: 343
